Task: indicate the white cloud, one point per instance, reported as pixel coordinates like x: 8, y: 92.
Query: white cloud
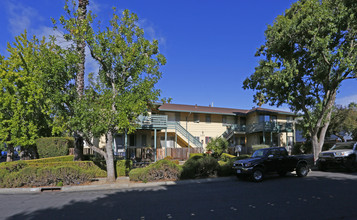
x: 20, y: 17
x: 346, y: 100
x: 149, y: 30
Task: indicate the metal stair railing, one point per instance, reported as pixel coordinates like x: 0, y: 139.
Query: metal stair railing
x: 175, y: 125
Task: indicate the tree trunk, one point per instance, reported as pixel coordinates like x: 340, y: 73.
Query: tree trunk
x: 318, y: 134
x: 78, y: 149
x: 81, y: 45
x: 110, y: 158
x: 10, y: 153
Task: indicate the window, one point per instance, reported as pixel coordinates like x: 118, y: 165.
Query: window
x: 177, y: 116
x: 207, y: 139
x: 224, y: 119
x: 132, y: 140
x: 263, y: 118
x: 196, y: 118
x: 208, y: 118
x: 242, y: 121
x: 289, y: 119
x: 143, y: 140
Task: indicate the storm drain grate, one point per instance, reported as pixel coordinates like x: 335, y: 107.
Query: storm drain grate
x: 50, y: 189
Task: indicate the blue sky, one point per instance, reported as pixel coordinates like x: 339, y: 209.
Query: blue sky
x: 209, y: 44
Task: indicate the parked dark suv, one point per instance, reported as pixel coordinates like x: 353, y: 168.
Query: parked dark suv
x: 274, y: 159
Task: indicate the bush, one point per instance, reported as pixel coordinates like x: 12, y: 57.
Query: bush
x: 42, y: 172
x: 123, y: 167
x: 46, y: 176
x: 259, y: 146
x: 226, y: 168
x: 227, y: 157
x: 197, y: 155
x: 198, y: 167
x: 161, y: 170
x: 218, y: 146
x: 54, y: 146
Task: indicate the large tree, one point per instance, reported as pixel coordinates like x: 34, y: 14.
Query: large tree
x: 31, y: 78
x: 343, y: 120
x: 75, y: 25
x: 308, y: 52
x: 123, y: 88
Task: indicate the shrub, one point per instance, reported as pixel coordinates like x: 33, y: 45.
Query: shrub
x: 54, y: 146
x: 218, y: 145
x: 259, y: 146
x: 225, y: 168
x: 123, y: 167
x: 197, y: 155
x: 46, y: 176
x: 41, y: 172
x: 198, y: 167
x: 172, y: 160
x: 227, y: 157
x: 161, y: 170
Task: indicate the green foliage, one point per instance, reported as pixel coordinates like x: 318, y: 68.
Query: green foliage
x: 49, y: 171
x: 308, y: 52
x: 52, y: 159
x: 31, y: 78
x: 303, y: 148
x: 46, y: 176
x: 197, y: 155
x: 123, y: 167
x: 218, y: 146
x: 161, y: 170
x: 199, y: 167
x: 343, y: 120
x: 227, y: 157
x: 54, y: 146
x: 259, y: 146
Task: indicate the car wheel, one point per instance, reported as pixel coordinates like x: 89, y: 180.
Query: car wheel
x: 257, y: 175
x: 302, y: 170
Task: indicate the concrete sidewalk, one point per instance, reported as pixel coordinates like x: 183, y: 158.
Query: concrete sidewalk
x: 121, y: 183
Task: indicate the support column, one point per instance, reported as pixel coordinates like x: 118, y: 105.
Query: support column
x: 155, y: 145
x: 175, y: 138
x: 271, y: 138
x: 126, y: 144
x: 166, y: 142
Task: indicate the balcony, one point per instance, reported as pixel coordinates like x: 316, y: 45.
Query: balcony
x: 152, y: 121
x: 270, y: 127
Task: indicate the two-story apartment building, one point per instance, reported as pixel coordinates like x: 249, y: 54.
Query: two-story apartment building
x: 176, y: 126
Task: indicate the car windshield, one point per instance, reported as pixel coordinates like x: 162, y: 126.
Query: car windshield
x: 260, y: 153
x: 343, y: 146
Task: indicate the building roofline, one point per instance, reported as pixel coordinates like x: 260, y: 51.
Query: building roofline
x: 168, y: 107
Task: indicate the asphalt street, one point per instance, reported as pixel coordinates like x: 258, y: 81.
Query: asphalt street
x: 320, y: 195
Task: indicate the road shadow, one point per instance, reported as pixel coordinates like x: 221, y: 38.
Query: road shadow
x: 203, y: 200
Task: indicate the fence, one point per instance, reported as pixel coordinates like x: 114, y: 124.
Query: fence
x: 177, y: 153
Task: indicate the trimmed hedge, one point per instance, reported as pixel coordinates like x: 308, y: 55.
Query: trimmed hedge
x: 161, y: 170
x: 123, y: 167
x: 227, y: 157
x: 46, y: 176
x: 49, y: 171
x: 54, y: 146
x: 199, y: 167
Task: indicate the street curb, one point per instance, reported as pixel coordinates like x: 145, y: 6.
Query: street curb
x: 112, y: 186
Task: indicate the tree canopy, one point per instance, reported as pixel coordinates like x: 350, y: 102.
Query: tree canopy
x: 31, y: 79
x: 343, y: 121
x: 308, y: 52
